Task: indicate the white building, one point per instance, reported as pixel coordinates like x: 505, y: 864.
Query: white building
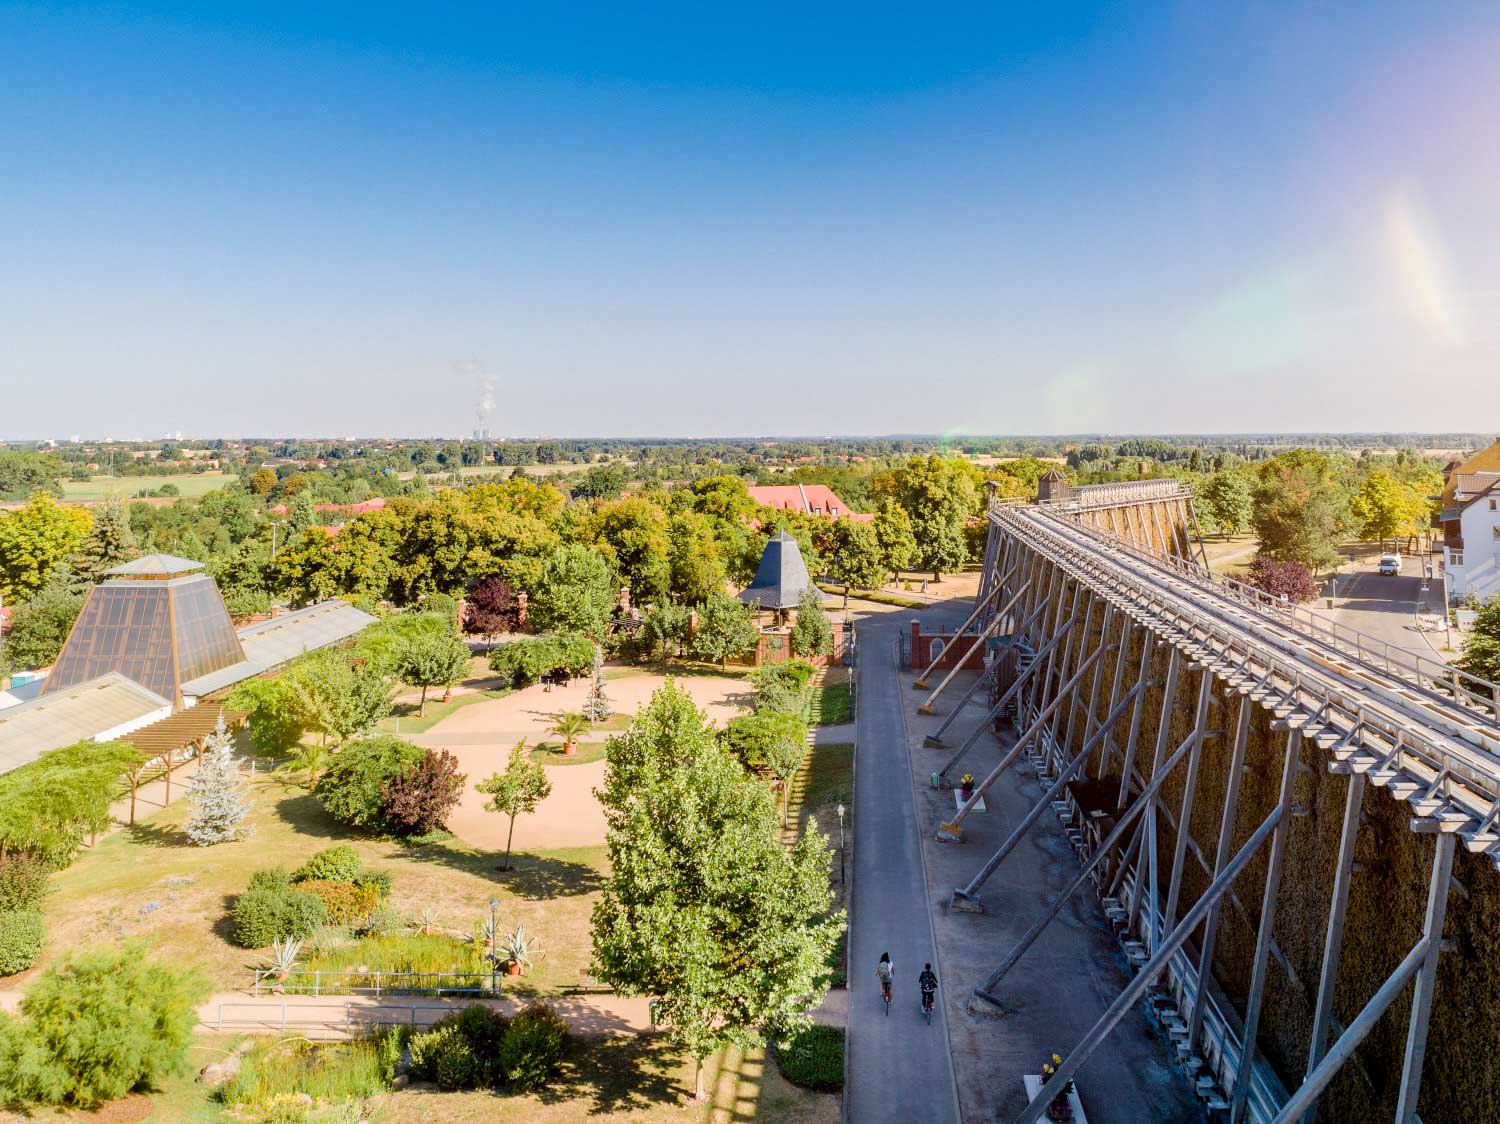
x: 1470, y: 521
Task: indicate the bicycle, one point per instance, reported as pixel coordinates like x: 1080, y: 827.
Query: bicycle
x: 927, y: 997
x: 885, y: 993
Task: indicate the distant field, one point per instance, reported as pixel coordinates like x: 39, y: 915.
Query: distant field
x: 125, y: 487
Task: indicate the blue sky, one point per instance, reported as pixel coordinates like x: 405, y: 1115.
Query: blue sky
x: 766, y: 219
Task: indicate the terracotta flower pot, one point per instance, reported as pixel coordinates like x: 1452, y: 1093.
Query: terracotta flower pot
x: 570, y: 748
x: 513, y: 969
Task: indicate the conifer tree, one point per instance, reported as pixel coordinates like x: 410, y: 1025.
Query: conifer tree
x: 108, y: 543
x: 596, y: 707
x: 217, y: 793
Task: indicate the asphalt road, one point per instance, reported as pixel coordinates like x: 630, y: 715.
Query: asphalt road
x: 1386, y: 607
x: 900, y: 1068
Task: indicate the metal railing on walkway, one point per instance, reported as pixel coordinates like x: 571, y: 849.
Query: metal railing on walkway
x: 303, y: 981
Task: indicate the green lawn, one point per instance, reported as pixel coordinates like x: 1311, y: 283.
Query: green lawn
x: 829, y: 704
x: 405, y: 720
x: 150, y: 881
x: 126, y: 487
x: 550, y: 753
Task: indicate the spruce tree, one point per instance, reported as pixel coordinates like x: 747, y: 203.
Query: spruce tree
x: 108, y: 543
x: 596, y: 707
x: 217, y: 793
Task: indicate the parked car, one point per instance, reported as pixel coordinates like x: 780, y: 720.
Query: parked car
x: 1390, y: 564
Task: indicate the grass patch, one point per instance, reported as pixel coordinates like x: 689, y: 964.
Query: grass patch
x: 190, y: 485
x: 873, y: 596
x: 150, y: 881
x: 550, y: 753
x: 826, y: 777
x: 420, y: 953
x: 830, y: 704
x: 679, y: 669
x: 813, y: 1058
x: 404, y: 718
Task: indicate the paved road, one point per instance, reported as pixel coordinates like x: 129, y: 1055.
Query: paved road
x: 900, y: 1069
x: 1387, y: 607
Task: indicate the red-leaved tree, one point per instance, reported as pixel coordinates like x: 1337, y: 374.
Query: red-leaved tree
x: 1292, y: 580
x: 418, y: 799
x: 492, y: 608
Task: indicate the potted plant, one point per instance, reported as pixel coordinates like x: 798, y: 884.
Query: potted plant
x: 966, y: 786
x: 518, y: 951
x: 569, y: 727
x: 1059, y: 1107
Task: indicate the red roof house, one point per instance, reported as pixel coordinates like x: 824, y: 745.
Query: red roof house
x: 810, y: 499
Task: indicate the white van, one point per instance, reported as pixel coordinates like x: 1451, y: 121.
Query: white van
x: 1390, y: 564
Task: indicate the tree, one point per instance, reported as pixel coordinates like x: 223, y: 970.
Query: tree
x: 812, y: 635
x: 515, y: 792
x: 601, y: 482
x: 492, y: 608
x: 34, y: 540
x: 633, y: 532
x: 418, y: 799
x: 575, y: 591
x: 108, y: 543
x: 665, y: 630
x: 263, y: 481
x: 939, y: 495
x: 1291, y: 580
x: 1300, y: 509
x: 1388, y: 508
x: 339, y: 697
x: 39, y: 627
x: 597, y: 708
x: 1229, y: 501
x: 432, y: 659
x: 698, y: 570
x: 704, y: 909
x: 898, y: 545
x: 858, y: 557
x: 217, y: 792
x: 726, y: 628
x: 97, y: 1025
x: 1481, y: 654
x: 21, y: 474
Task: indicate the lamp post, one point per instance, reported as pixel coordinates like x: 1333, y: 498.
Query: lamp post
x: 841, y: 810
x: 494, y: 945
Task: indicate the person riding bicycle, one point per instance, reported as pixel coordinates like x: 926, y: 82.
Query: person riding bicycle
x: 928, y: 982
x: 885, y: 971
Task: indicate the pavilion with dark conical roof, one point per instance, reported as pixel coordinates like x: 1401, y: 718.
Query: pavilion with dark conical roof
x: 781, y: 579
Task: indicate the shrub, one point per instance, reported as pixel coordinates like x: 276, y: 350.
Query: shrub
x: 20, y: 940
x: 457, y: 1067
x: 131, y: 1019
x: 812, y: 635
x: 380, y: 879
x: 333, y: 864
x: 352, y: 788
x: 23, y: 882
x: 793, y: 673
x: 532, y: 1047
x: 345, y: 902
x: 813, y: 1058
x: 484, y: 1030
x: 750, y: 738
x: 1291, y: 580
x: 419, y: 799
x: 276, y: 721
x: 270, y: 878
x: 426, y: 1046
x: 269, y: 914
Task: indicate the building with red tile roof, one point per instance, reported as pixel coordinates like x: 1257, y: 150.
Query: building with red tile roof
x: 810, y: 499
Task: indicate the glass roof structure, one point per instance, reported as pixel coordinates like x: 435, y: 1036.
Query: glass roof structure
x: 155, y: 624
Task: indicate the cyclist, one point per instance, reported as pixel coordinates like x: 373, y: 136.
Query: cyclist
x: 928, y: 982
x: 885, y: 971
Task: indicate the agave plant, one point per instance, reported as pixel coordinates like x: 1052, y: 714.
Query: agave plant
x: 487, y: 933
x: 429, y: 919
x: 284, y: 955
x: 518, y: 951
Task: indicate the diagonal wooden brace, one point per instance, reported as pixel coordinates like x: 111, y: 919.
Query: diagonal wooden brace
x: 979, y: 607
x: 935, y: 739
x: 995, y: 622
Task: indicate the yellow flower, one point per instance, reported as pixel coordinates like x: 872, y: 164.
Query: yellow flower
x: 1056, y: 1059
